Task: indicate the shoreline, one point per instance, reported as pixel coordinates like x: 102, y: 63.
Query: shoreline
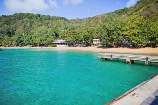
x: 146, y: 51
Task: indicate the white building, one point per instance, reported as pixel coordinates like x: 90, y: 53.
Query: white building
x: 96, y: 42
x: 60, y: 43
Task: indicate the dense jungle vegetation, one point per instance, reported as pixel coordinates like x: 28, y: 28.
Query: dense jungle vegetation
x: 138, y: 23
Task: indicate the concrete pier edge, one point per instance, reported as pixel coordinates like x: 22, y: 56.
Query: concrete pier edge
x: 121, y: 97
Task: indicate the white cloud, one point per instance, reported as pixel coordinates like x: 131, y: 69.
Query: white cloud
x: 31, y: 6
x: 73, y: 2
x: 131, y: 3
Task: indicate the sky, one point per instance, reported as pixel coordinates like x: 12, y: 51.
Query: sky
x: 71, y: 9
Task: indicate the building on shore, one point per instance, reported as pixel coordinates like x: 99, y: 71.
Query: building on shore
x: 96, y: 42
x: 60, y: 43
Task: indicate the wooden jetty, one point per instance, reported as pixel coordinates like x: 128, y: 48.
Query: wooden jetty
x: 129, y: 58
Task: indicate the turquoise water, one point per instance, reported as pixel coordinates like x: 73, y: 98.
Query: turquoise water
x: 38, y: 77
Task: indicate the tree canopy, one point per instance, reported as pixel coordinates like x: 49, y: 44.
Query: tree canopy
x: 137, y: 22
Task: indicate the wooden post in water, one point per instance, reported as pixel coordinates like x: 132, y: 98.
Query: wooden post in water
x: 129, y: 61
x: 146, y: 61
x: 132, y: 61
x: 111, y: 56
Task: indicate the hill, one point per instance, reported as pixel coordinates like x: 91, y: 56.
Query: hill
x: 137, y: 22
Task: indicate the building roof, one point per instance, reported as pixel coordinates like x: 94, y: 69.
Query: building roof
x: 96, y: 39
x: 60, y: 41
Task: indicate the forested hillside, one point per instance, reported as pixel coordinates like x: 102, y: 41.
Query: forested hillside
x: 137, y: 22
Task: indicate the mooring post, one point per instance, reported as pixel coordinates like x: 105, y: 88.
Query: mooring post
x: 146, y: 61
x: 101, y: 58
x: 132, y: 61
x: 129, y: 61
x: 111, y: 56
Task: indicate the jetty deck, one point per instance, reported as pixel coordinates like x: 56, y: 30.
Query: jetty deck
x: 129, y: 58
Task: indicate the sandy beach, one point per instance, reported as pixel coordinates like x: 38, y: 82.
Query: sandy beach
x: 150, y: 51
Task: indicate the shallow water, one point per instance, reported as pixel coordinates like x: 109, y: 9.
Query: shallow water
x: 41, y: 77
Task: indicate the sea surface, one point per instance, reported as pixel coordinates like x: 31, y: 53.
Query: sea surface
x: 49, y: 77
